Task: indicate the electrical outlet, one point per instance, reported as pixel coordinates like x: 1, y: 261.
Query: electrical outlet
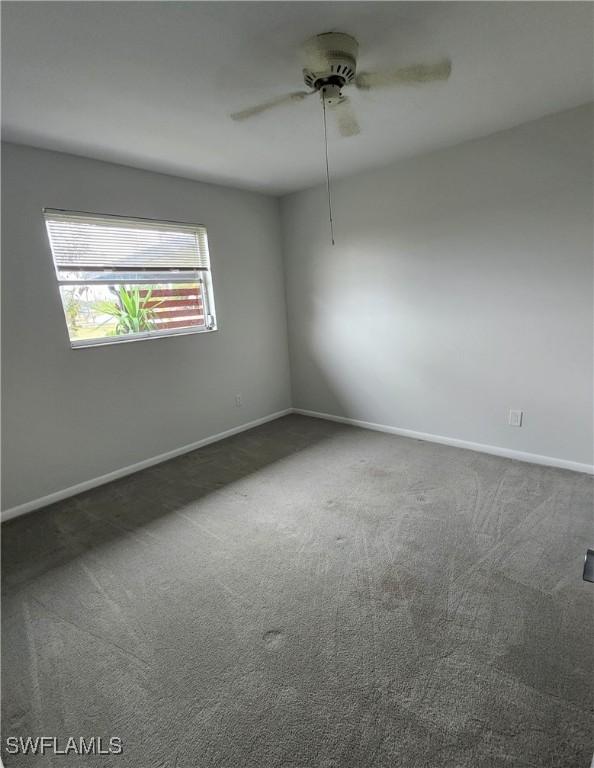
x: 238, y: 400
x: 515, y: 418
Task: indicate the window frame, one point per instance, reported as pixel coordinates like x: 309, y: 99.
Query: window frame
x: 201, y: 277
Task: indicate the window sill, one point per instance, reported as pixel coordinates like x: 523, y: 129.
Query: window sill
x: 111, y: 340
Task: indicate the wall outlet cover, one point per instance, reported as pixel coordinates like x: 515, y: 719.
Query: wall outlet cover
x: 515, y: 418
x: 588, y: 574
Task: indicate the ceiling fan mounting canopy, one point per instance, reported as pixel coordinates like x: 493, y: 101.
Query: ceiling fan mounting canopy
x: 331, y: 62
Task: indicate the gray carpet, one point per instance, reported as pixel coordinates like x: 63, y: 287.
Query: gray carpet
x: 308, y: 595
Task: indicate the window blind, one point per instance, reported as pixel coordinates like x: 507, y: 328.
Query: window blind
x: 93, y: 242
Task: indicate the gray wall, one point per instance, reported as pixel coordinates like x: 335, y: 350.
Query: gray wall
x: 460, y: 287
x: 72, y: 415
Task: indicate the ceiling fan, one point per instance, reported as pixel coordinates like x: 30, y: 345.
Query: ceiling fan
x: 331, y: 65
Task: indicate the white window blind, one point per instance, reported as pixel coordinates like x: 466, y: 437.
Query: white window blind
x: 93, y: 242
x: 123, y: 278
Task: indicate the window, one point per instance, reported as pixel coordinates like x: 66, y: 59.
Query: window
x: 123, y: 279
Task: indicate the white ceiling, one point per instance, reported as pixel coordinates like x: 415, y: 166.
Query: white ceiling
x: 151, y: 84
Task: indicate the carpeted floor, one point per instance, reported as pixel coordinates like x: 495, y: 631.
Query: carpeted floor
x: 308, y: 595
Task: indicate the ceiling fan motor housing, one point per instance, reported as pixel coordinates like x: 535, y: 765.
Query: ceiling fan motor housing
x: 331, y: 63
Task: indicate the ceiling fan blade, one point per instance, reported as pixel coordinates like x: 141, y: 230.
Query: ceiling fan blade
x: 345, y: 117
x: 415, y: 74
x: 289, y: 98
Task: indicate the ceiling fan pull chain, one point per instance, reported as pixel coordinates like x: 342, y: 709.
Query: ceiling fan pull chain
x: 327, y: 168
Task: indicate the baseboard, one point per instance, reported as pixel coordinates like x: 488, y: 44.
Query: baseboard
x: 43, y: 501
x: 531, y: 458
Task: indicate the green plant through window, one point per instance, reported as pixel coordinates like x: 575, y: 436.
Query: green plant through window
x: 133, y: 310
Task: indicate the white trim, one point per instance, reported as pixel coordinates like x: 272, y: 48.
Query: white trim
x: 508, y: 453
x: 532, y: 458
x: 86, y: 485
x: 106, y: 341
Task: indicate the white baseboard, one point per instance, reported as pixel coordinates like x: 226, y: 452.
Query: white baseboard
x: 532, y: 458
x: 43, y: 501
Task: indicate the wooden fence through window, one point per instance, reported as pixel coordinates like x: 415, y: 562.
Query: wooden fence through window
x: 177, y: 307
